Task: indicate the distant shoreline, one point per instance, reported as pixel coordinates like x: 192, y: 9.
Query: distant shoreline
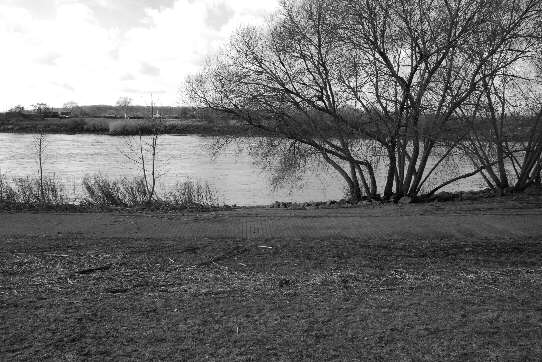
x: 123, y: 127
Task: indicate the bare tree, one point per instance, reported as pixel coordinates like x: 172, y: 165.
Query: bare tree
x: 331, y: 74
x: 143, y: 151
x: 505, y: 123
x: 281, y: 82
x: 17, y: 109
x: 40, y: 146
x: 71, y: 108
x: 41, y: 108
x: 124, y: 103
x: 413, y: 63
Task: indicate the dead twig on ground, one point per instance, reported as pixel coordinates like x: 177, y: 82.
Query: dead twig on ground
x: 94, y: 270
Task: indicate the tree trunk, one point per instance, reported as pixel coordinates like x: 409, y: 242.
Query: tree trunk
x: 355, y: 191
x: 363, y: 180
x: 388, y: 189
x: 342, y: 172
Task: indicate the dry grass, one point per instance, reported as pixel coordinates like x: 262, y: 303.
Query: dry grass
x: 129, y: 193
x: 71, y: 298
x: 29, y: 192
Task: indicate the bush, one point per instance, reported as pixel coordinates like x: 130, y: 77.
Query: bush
x: 97, y: 125
x: 101, y: 192
x: 25, y: 192
x: 190, y: 194
x: 128, y: 127
x: 125, y: 192
x: 7, y: 194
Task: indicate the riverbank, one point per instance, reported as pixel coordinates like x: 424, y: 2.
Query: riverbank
x: 30, y: 124
x: 437, y: 281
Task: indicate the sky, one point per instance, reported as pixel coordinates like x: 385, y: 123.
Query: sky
x: 96, y: 51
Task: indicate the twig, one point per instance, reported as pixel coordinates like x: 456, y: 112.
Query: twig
x: 60, y: 255
x: 94, y: 270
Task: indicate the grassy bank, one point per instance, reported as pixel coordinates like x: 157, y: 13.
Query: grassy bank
x: 118, y: 127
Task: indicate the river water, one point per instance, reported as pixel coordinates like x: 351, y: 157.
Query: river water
x: 232, y: 173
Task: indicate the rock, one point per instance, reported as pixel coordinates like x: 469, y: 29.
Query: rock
x: 469, y: 196
x: 533, y: 190
x: 283, y: 282
x: 444, y: 196
x: 405, y: 200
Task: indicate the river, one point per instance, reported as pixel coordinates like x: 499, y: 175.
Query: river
x: 232, y: 173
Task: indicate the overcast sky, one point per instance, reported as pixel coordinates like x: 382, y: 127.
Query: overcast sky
x: 95, y: 51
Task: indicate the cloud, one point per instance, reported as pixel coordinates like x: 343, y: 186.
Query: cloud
x: 127, y: 77
x: 219, y: 15
x: 147, y: 69
x: 75, y: 52
x: 48, y: 58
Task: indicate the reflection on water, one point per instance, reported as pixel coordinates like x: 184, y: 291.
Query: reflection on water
x: 238, y: 180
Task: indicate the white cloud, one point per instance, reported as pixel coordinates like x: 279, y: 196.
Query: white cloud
x: 72, y: 56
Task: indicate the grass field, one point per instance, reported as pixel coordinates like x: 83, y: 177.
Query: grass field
x: 70, y: 294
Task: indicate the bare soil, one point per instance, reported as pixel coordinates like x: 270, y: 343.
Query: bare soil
x: 454, y: 281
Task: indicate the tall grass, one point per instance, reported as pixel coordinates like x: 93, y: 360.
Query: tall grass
x: 192, y: 193
x: 102, y: 192
x: 128, y: 127
x: 26, y: 192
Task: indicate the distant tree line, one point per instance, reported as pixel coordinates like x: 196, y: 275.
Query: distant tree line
x: 414, y: 82
x: 120, y: 110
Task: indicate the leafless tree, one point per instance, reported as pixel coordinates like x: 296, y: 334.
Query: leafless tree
x: 143, y: 151
x: 71, y: 108
x: 330, y: 74
x: 413, y: 63
x: 41, y: 108
x: 17, y: 109
x: 40, y: 146
x: 505, y: 123
x: 281, y: 82
x: 124, y: 103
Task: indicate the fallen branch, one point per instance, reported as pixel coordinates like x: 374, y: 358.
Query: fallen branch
x: 59, y: 255
x: 94, y: 270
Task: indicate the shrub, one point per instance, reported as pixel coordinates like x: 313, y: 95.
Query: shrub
x: 7, y: 194
x: 190, y: 193
x: 25, y: 192
x: 134, y: 191
x: 97, y: 125
x: 129, y: 127
x: 103, y: 192
x: 124, y: 192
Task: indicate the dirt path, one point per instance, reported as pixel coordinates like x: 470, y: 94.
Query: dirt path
x: 455, y: 220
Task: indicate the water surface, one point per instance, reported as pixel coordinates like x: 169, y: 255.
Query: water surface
x: 235, y: 176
